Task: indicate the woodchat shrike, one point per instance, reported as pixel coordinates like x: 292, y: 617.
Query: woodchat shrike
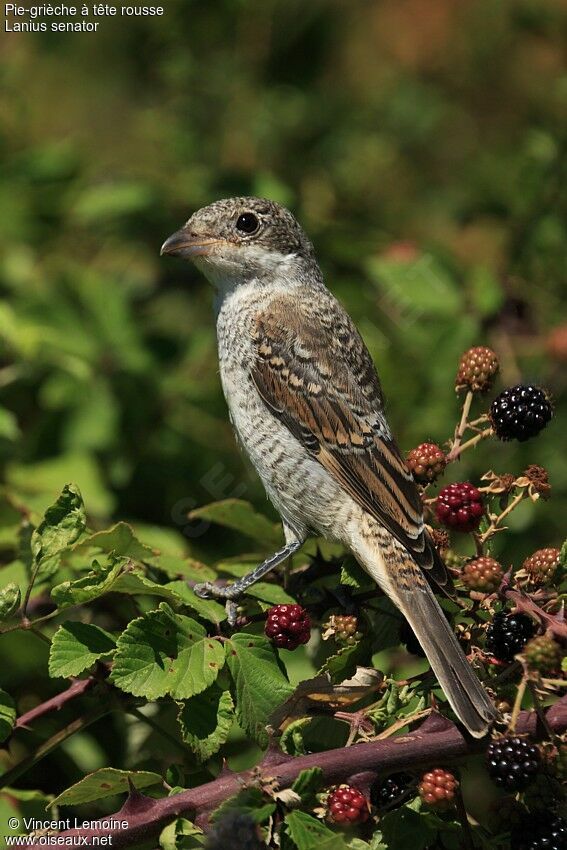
x: 306, y: 404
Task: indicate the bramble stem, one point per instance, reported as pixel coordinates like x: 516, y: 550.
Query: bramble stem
x: 518, y: 703
x: 457, y: 451
x: 461, y: 427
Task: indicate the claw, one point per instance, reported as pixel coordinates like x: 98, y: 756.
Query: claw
x: 205, y: 590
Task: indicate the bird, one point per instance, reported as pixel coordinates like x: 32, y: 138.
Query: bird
x: 306, y: 404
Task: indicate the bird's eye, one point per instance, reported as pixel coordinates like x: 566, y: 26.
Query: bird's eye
x: 247, y: 223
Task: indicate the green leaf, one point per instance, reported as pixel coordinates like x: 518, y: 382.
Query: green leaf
x: 97, y: 582
x: 308, y: 833
x: 7, y: 715
x: 10, y: 598
x: 206, y: 720
x: 307, y: 784
x: 76, y: 646
x: 116, y: 576
x: 241, y: 516
x: 352, y: 575
x: 259, y: 684
x: 343, y: 664
x: 406, y: 827
x: 118, y: 540
x: 64, y: 522
x: 9, y: 429
x: 272, y: 594
x: 105, y: 783
x: 250, y: 801
x: 182, y: 835
x: 208, y: 609
x: 166, y: 653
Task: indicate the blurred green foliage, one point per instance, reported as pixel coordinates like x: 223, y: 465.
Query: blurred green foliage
x: 422, y: 144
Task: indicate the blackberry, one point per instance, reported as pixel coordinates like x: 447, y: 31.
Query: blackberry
x: 426, y: 462
x: 344, y: 627
x: 540, y: 831
x: 460, y: 507
x: 482, y: 574
x: 507, y: 635
x: 347, y: 806
x: 477, y: 369
x: 390, y: 792
x: 287, y: 626
x: 541, y: 566
x: 512, y: 763
x: 437, y: 789
x: 520, y: 412
x: 544, y: 654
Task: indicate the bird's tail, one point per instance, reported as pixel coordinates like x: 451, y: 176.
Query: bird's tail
x: 395, y: 571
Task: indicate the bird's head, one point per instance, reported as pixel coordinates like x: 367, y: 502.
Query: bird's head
x: 242, y: 239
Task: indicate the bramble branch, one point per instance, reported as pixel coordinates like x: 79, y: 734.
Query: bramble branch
x: 436, y: 740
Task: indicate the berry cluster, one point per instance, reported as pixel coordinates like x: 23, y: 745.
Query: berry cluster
x: 512, y: 763
x: 543, y: 654
x: 345, y: 628
x: 391, y: 791
x: 460, y: 507
x: 437, y: 789
x: 482, y: 574
x: 426, y: 462
x: 288, y: 626
x: 541, y: 566
x: 507, y: 635
x: 477, y: 369
x: 520, y: 412
x: 541, y: 831
x: 347, y: 806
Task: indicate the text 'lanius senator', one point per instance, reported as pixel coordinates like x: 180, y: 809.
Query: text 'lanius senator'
x: 306, y: 404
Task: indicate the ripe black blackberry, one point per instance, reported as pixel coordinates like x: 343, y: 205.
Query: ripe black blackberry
x: 388, y: 793
x: 520, y: 412
x: 540, y: 831
x: 507, y: 635
x: 512, y: 763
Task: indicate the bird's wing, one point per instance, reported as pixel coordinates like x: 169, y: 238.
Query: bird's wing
x: 315, y: 374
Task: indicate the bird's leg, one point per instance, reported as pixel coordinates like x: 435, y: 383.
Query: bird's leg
x: 207, y: 589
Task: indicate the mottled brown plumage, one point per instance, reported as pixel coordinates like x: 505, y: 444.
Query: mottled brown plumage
x: 306, y: 404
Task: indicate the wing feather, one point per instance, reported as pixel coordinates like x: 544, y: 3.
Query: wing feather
x: 324, y: 388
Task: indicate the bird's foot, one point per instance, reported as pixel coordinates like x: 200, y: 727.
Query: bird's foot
x: 208, y: 590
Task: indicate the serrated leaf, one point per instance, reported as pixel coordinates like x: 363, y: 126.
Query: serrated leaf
x: 166, y: 653
x: 241, y: 516
x: 7, y: 715
x: 250, y: 801
x: 181, y: 835
x: 259, y: 684
x: 208, y: 609
x: 116, y: 576
x: 308, y: 833
x: 97, y: 582
x: 118, y: 540
x: 206, y: 720
x: 10, y: 598
x: 352, y: 575
x: 105, y: 783
x: 344, y: 663
x: 406, y: 827
x: 308, y: 783
x: 76, y: 646
x: 272, y: 594
x: 64, y: 522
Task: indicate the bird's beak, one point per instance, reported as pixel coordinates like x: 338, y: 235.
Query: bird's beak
x: 184, y: 243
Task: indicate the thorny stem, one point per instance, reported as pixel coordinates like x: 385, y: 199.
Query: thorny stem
x: 457, y: 451
x: 539, y: 710
x: 29, y: 590
x: 56, y: 703
x: 497, y: 520
x: 25, y: 625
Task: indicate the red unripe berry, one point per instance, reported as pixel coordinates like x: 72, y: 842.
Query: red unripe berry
x: 347, y: 806
x: 287, y: 626
x: 483, y: 574
x: 426, y: 462
x: 460, y: 506
x: 437, y: 789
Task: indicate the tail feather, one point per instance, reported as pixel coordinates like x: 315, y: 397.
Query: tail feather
x: 393, y: 568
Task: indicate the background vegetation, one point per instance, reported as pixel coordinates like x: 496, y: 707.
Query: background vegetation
x: 421, y: 143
